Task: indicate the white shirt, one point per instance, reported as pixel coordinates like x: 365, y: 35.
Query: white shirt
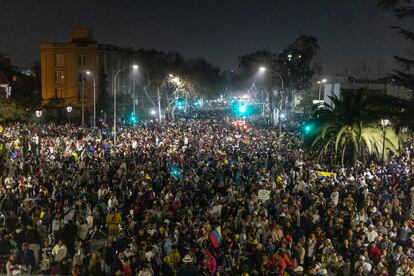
x: 372, y: 235
x: 59, y: 252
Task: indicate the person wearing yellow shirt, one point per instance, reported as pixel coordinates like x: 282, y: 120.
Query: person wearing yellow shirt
x: 113, y: 220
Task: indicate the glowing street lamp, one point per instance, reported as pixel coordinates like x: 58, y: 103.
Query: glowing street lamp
x: 135, y: 67
x: 69, y: 110
x: 38, y: 113
x: 262, y: 70
x: 89, y: 73
x: 153, y: 112
x: 320, y: 85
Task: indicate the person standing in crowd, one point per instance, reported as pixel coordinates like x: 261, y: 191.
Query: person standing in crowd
x: 197, y: 197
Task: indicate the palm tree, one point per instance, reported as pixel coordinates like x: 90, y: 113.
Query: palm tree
x: 351, y: 127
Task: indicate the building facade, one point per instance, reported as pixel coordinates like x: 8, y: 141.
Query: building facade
x: 337, y: 85
x: 70, y: 71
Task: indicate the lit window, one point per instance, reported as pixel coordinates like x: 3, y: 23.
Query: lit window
x: 59, y: 77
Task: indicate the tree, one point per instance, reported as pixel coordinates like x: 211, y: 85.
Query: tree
x: 404, y: 9
x: 297, y: 63
x: 206, y: 78
x: 351, y: 127
x: 11, y: 111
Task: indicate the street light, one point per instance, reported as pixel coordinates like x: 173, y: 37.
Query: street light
x: 153, y: 112
x: 69, y: 110
x: 38, y: 114
x: 320, y: 85
x: 384, y: 124
x: 262, y: 70
x: 89, y: 73
x: 135, y: 67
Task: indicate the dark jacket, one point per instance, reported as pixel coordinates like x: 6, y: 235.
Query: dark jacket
x: 26, y: 258
x: 188, y: 270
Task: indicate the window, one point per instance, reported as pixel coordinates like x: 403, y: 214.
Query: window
x: 59, y: 77
x: 60, y: 60
x: 81, y: 60
x: 58, y: 92
x: 81, y: 77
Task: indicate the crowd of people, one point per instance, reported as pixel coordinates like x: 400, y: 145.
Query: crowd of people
x: 195, y: 197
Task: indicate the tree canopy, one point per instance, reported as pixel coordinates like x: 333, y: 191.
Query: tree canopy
x: 350, y: 128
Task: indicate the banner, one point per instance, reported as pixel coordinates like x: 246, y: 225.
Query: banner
x: 325, y: 174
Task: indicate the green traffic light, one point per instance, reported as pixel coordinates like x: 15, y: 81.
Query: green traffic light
x: 133, y: 118
x: 307, y: 128
x: 242, y: 109
x: 180, y: 103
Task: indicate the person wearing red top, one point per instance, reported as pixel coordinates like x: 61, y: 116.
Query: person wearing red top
x: 374, y: 252
x: 282, y: 262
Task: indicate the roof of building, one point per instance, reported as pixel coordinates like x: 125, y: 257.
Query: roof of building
x: 3, y: 80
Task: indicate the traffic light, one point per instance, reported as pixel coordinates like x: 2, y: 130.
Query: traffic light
x: 133, y: 118
x: 242, y: 109
x: 198, y: 103
x: 307, y: 128
x: 180, y: 103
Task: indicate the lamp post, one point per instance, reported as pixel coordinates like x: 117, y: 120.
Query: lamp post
x: 38, y: 114
x: 135, y: 67
x: 153, y: 112
x: 384, y: 124
x: 263, y: 70
x: 69, y: 110
x: 83, y: 101
x: 89, y: 73
x: 320, y: 87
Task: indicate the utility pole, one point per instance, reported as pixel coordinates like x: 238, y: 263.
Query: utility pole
x: 133, y: 96
x: 83, y: 101
x: 159, y: 104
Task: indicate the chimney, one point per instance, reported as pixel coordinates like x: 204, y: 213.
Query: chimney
x: 81, y: 35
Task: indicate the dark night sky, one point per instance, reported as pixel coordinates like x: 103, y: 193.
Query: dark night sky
x: 349, y: 31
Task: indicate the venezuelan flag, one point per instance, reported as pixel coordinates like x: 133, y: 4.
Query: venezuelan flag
x: 221, y: 153
x: 215, y: 237
x: 18, y: 151
x: 322, y: 174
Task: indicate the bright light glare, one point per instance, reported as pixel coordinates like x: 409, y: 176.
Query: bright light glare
x: 262, y: 69
x: 282, y: 116
x: 88, y: 72
x: 153, y: 112
x: 135, y: 67
x: 242, y: 108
